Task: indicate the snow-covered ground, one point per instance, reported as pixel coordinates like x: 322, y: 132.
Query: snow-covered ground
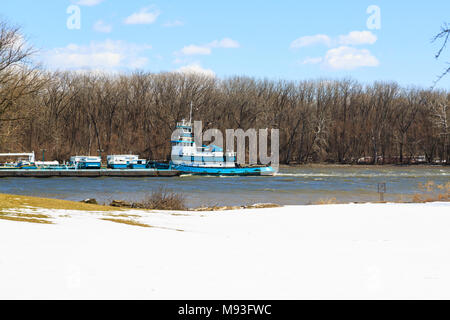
x: 296, y: 252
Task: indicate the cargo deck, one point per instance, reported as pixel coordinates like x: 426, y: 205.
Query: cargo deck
x: 92, y: 173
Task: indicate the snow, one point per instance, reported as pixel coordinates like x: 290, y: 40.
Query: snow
x: 352, y: 251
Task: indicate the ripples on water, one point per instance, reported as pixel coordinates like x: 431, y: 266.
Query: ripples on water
x: 299, y: 185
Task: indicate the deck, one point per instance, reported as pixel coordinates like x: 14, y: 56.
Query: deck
x: 91, y: 173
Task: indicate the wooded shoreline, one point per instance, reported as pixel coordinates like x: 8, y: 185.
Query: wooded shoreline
x: 323, y: 120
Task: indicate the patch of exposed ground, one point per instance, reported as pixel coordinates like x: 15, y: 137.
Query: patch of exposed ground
x: 25, y: 217
x: 9, y: 201
x: 253, y: 206
x: 133, y: 222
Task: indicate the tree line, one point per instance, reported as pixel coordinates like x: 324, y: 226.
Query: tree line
x: 335, y: 121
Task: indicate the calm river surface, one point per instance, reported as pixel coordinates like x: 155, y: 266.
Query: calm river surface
x: 292, y: 185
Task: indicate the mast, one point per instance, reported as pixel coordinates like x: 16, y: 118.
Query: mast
x: 190, y: 115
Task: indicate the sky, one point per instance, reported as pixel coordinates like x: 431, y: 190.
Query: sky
x: 285, y: 39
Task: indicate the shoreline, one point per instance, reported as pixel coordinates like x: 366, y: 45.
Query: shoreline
x: 13, y: 201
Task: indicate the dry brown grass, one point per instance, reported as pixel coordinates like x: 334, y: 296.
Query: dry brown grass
x: 132, y: 222
x: 9, y: 201
x: 162, y: 199
x: 30, y: 220
x: 25, y: 217
x: 262, y: 206
x: 31, y: 215
x: 129, y: 222
x: 326, y: 201
x: 125, y: 215
x: 430, y: 192
x: 252, y: 206
x: 218, y: 208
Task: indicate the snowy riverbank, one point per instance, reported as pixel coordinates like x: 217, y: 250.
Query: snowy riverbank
x: 294, y: 252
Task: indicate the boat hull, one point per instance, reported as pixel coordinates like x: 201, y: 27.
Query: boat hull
x: 27, y: 167
x: 118, y: 166
x: 89, y: 165
x: 138, y: 166
x: 246, y: 171
x: 48, y: 173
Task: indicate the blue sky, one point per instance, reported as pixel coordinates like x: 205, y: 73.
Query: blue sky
x: 285, y: 39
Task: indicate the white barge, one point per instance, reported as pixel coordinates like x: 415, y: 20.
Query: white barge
x: 125, y: 161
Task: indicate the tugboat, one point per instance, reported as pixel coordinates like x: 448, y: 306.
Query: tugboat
x: 189, y: 158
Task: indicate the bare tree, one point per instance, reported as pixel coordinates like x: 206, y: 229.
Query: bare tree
x: 19, y: 79
x: 441, y: 121
x: 445, y: 35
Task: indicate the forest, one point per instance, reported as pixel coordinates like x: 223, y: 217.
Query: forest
x: 320, y: 120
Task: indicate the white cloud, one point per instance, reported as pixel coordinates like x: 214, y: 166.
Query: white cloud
x: 196, y: 50
x: 196, y: 68
x: 176, y: 23
x: 352, y: 38
x: 101, y: 26
x: 88, y: 3
x: 357, y: 38
x: 226, y: 43
x: 311, y: 40
x: 347, y: 58
x: 108, y: 55
x: 342, y: 56
x: 312, y: 60
x: 143, y: 16
x: 179, y: 61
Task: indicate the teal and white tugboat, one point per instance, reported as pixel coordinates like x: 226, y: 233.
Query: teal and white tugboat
x: 189, y: 158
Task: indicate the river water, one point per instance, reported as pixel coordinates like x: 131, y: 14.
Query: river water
x: 292, y: 185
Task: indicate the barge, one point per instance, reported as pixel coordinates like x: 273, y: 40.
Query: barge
x: 79, y: 166
x: 91, y: 173
x: 86, y: 162
x: 126, y: 161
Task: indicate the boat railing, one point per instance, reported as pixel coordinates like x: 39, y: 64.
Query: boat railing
x: 208, y: 148
x: 184, y: 123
